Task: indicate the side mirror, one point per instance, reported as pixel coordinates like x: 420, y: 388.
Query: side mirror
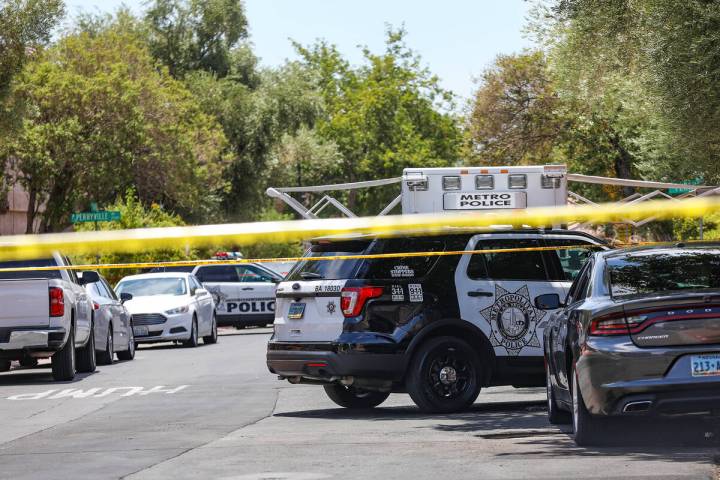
x: 125, y: 297
x: 549, y: 301
x: 89, y: 277
x: 200, y: 291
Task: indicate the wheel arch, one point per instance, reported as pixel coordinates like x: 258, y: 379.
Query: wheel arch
x: 460, y: 329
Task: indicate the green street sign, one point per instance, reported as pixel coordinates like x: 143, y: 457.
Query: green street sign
x: 680, y: 191
x: 101, y: 216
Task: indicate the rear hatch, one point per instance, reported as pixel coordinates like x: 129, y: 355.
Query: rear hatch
x: 24, y: 295
x: 308, y: 301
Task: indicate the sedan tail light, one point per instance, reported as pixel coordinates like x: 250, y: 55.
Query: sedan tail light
x: 352, y: 299
x: 57, y: 302
x: 613, y: 324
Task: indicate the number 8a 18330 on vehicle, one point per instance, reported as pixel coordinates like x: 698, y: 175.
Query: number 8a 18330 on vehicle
x: 638, y: 335
x: 437, y: 327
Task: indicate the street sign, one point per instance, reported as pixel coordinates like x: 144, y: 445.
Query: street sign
x: 101, y: 216
x: 680, y: 191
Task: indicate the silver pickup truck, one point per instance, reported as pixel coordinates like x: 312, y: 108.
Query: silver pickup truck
x: 46, y: 314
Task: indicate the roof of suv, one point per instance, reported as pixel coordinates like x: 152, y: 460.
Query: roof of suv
x: 462, y: 231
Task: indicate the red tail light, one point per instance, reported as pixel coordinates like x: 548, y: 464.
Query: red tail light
x: 615, y: 324
x: 57, y: 302
x: 96, y: 306
x: 352, y: 299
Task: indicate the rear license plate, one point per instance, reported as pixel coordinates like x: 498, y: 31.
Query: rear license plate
x: 140, y: 331
x: 705, y: 365
x: 296, y: 312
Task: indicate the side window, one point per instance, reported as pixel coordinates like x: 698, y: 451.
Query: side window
x: 248, y: 273
x: 102, y: 290
x: 71, y: 273
x: 218, y: 274
x: 578, y: 290
x: 93, y: 290
x: 194, y: 285
x: 528, y: 266
x: 110, y: 291
x: 567, y: 262
x: 405, y: 267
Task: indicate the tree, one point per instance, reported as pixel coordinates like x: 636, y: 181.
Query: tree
x: 190, y: 35
x: 102, y: 116
x: 385, y: 115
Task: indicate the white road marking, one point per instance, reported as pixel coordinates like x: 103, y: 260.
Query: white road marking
x: 96, y: 392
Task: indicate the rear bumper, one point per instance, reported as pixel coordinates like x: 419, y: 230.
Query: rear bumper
x: 15, y: 342
x: 331, y: 361
x: 642, y: 381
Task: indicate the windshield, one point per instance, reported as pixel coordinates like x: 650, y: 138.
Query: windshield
x: 45, y: 262
x: 663, y: 271
x: 329, y: 269
x: 147, y: 287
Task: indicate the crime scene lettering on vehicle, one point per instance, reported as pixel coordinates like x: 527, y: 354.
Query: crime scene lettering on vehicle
x: 483, y: 201
x: 258, y: 305
x: 402, y: 271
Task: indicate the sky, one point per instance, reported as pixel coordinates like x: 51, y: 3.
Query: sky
x: 456, y: 39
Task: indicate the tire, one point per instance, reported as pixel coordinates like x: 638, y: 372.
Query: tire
x: 129, y: 354
x: 350, y: 397
x: 586, y: 427
x: 556, y: 416
x: 5, y: 365
x: 63, y: 362
x: 192, y: 342
x: 108, y: 356
x: 86, y: 361
x: 213, y: 337
x: 444, y: 375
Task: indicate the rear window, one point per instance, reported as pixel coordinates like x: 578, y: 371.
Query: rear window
x: 664, y: 271
x: 46, y: 262
x: 307, y: 269
x: 406, y: 266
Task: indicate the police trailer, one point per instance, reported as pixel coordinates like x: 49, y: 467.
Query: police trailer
x: 437, y: 327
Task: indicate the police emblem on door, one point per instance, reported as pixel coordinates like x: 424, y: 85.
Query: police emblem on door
x: 513, y: 320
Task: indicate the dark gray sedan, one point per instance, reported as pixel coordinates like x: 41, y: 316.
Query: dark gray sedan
x: 112, y: 323
x: 639, y: 334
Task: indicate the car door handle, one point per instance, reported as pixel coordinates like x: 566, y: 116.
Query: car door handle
x: 248, y: 288
x: 479, y: 293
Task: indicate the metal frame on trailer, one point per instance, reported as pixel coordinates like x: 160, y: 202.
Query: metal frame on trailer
x: 657, y: 190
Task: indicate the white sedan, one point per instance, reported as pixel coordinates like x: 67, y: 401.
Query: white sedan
x: 169, y: 307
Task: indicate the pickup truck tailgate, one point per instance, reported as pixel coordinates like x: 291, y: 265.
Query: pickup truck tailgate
x: 24, y: 303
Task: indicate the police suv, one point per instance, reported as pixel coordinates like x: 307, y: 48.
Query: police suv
x: 437, y: 327
x: 244, y: 293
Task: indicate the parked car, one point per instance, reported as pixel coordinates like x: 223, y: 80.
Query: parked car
x: 244, y: 294
x: 47, y: 314
x: 438, y: 327
x: 113, y: 323
x: 638, y: 335
x: 169, y: 307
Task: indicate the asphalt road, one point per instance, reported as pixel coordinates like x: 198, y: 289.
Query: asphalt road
x: 215, y: 412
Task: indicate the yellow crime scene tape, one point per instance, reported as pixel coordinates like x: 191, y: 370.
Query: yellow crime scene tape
x: 21, y: 247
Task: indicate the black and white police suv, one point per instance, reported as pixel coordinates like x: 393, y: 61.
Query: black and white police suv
x: 437, y: 327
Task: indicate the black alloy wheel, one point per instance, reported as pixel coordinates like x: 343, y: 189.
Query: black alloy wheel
x: 63, y: 361
x: 444, y: 375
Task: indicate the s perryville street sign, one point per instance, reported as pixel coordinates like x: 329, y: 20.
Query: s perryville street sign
x: 101, y: 216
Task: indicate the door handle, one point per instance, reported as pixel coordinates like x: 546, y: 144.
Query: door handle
x: 248, y: 288
x: 479, y: 293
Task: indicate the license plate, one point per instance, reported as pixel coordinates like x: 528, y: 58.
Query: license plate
x: 296, y: 312
x: 140, y: 331
x: 705, y: 365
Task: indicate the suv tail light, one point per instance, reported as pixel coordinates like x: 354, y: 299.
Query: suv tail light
x: 352, y: 299
x: 57, y: 302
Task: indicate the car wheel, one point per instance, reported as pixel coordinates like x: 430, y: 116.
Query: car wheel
x: 556, y: 416
x: 128, y: 354
x: 443, y: 375
x: 86, y: 361
x: 63, y: 362
x: 213, y: 337
x: 585, y: 426
x: 5, y: 365
x: 192, y: 342
x: 351, y: 397
x: 108, y: 356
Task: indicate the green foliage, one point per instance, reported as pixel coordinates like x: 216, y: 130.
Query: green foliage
x: 273, y: 250
x: 135, y: 215
x: 191, y: 35
x: 101, y: 116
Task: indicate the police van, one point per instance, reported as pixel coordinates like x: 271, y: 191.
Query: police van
x: 439, y: 327
x: 244, y: 293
